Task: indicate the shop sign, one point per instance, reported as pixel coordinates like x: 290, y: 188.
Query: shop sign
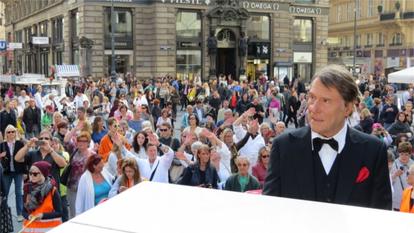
x: 393, y: 62
x: 302, y: 57
x: 3, y: 45
x: 188, y: 2
x: 189, y: 44
x: 40, y: 40
x: 13, y: 46
x: 259, y: 49
x: 260, y: 5
x: 305, y: 10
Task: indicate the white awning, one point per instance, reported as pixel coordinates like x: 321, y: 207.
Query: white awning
x: 67, y: 71
x: 402, y: 76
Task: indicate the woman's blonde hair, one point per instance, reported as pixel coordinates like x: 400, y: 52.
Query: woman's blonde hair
x: 12, y: 128
x: 365, y: 113
x: 132, y: 163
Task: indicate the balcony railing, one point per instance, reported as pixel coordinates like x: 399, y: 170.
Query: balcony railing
x: 368, y: 46
x: 387, y: 16
x: 379, y: 45
x: 396, y: 44
x: 391, y: 15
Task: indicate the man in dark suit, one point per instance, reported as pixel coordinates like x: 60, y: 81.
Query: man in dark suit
x: 329, y: 161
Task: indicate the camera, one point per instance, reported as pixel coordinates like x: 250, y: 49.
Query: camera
x: 402, y: 168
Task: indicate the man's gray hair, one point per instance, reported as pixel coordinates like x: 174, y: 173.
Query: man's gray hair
x: 335, y: 76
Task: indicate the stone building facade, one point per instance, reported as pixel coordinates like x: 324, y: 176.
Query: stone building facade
x: 384, y: 35
x: 170, y: 37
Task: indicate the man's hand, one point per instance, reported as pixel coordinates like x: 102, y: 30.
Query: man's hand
x: 2, y: 155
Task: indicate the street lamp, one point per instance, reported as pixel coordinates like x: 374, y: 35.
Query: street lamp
x: 113, y: 73
x: 355, y: 26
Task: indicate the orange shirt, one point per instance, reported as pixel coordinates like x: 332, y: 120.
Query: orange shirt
x: 105, y: 147
x: 405, y: 201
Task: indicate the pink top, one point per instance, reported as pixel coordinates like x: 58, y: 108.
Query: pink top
x: 259, y: 171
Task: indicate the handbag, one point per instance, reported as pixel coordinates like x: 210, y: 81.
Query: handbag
x: 6, y: 221
x: 64, y: 177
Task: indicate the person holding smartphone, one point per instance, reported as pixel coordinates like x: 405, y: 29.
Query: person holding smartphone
x: 399, y: 172
x: 42, y: 151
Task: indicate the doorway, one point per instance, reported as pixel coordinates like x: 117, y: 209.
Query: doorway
x: 226, y: 62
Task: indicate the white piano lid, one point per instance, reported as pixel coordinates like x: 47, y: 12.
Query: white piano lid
x: 155, y: 207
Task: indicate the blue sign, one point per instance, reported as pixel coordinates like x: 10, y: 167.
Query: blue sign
x: 3, y: 45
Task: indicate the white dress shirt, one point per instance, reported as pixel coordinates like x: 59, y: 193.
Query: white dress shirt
x: 327, y: 154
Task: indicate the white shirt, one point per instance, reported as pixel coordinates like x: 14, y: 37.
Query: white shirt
x: 251, y: 149
x: 327, y: 154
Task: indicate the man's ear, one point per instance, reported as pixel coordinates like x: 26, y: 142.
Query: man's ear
x: 349, y: 108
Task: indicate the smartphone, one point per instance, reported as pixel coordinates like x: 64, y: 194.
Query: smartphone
x: 40, y: 143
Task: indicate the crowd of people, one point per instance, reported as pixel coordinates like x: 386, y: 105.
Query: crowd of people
x: 68, y: 154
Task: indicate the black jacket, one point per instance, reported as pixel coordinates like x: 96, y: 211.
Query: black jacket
x: 7, y: 118
x: 192, y: 176
x: 31, y: 117
x: 19, y: 168
x: 291, y: 172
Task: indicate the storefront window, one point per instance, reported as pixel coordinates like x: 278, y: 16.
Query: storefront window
x: 188, y: 64
x: 258, y: 27
x: 302, y: 30
x: 188, y: 24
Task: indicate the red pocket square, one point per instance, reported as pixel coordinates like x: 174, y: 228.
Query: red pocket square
x: 362, y: 175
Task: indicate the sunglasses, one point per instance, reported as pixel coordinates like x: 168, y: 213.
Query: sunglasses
x: 163, y: 130
x: 83, y: 141
x: 117, y: 126
x: 44, y: 138
x: 10, y: 132
x: 265, y: 156
x: 34, y: 174
x: 242, y: 165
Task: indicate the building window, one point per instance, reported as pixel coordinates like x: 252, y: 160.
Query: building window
x: 43, y: 28
x: 57, y: 30
x: 381, y: 39
x: 258, y: 27
x: 74, y: 23
x: 188, y: 24
x: 358, y: 9
x: 370, y: 8
x: 338, y: 13
x: 397, y: 39
x: 369, y: 39
x: 350, y: 12
x: 189, y: 39
x: 188, y: 64
x: 358, y: 41
x: 122, y: 30
x: 302, y: 31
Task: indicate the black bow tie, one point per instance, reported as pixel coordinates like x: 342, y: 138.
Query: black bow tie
x: 318, y: 142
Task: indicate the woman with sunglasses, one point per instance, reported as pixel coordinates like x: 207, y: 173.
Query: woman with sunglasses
x: 13, y: 170
x: 105, y: 147
x: 130, y: 176
x: 94, y: 185
x: 242, y: 181
x: 80, y: 152
x: 42, y: 206
x: 260, y: 169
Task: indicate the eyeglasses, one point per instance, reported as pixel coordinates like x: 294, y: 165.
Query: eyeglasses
x: 265, y: 156
x: 163, y: 130
x: 116, y: 126
x: 34, y: 174
x: 44, y: 138
x: 83, y: 141
x: 242, y: 165
x: 10, y: 132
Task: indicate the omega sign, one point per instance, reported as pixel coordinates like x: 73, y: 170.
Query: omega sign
x: 305, y: 10
x: 260, y: 5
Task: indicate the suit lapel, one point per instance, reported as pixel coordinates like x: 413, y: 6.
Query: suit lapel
x: 303, y: 162
x: 349, y: 166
